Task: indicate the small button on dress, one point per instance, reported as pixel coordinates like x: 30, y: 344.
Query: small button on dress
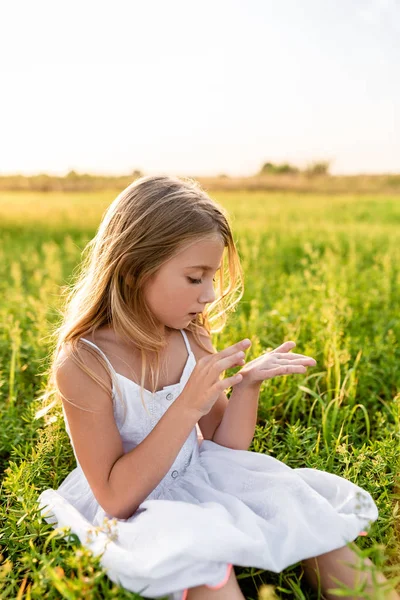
x: 169, y: 396
x: 174, y: 474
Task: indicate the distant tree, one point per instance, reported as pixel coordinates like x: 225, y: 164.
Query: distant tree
x: 136, y: 174
x: 284, y: 168
x: 72, y: 175
x: 223, y: 176
x: 318, y: 168
x: 267, y: 168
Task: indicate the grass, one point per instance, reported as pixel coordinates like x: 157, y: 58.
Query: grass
x: 320, y: 270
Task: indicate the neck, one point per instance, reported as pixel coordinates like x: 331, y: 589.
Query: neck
x: 163, y: 330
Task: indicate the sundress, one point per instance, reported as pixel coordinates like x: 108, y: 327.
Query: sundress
x: 216, y: 507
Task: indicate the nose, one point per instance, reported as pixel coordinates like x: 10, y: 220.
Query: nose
x: 208, y: 295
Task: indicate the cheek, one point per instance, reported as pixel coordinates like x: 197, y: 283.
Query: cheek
x: 184, y: 292
x: 177, y: 290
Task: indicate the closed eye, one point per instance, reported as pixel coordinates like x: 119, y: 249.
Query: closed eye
x: 197, y: 281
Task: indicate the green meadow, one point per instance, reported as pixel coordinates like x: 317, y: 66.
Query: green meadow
x: 321, y: 270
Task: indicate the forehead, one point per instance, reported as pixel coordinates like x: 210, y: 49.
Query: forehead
x: 207, y: 252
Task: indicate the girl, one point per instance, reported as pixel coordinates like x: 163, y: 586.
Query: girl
x: 171, y: 511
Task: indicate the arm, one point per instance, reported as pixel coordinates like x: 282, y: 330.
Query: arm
x: 236, y: 429
x: 138, y: 472
x: 119, y: 481
x: 231, y: 422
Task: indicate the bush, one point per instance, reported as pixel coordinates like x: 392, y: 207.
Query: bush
x: 318, y: 168
x: 284, y: 168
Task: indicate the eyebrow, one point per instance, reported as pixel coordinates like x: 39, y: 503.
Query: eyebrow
x: 204, y: 267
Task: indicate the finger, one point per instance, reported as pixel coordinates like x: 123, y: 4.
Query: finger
x: 297, y: 361
x: 284, y: 347
x: 286, y: 370
x: 228, y: 362
x: 239, y: 346
x: 223, y: 384
x: 291, y: 355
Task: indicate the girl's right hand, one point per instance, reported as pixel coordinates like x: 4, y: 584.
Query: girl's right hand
x: 204, y: 386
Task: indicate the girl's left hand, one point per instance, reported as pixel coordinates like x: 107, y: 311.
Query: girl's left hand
x: 274, y: 363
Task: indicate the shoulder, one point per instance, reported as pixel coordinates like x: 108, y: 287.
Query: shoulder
x: 82, y: 375
x: 204, y: 348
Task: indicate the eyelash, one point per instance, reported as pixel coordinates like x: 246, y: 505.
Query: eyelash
x: 197, y: 281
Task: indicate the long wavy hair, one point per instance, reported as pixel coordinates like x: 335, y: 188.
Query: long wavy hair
x: 146, y: 225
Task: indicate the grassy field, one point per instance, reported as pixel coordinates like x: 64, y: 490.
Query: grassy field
x: 320, y: 270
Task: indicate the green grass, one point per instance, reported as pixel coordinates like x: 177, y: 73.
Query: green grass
x: 322, y: 271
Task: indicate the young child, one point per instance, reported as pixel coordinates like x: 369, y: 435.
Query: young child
x: 165, y: 489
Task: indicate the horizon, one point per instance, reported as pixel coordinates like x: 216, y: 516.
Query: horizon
x: 205, y: 176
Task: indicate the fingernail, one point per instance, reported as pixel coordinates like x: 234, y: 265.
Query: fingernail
x: 246, y: 343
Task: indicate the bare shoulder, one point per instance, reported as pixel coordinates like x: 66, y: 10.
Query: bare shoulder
x: 74, y: 382
x: 197, y: 350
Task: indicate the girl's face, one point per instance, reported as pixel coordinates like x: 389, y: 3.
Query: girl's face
x: 184, y: 285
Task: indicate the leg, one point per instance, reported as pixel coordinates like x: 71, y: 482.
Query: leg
x: 230, y: 591
x: 331, y: 564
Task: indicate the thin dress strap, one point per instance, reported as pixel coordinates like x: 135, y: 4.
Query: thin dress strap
x: 110, y: 365
x: 185, y: 337
x: 102, y: 353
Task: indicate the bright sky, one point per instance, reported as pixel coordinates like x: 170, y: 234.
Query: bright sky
x: 198, y: 87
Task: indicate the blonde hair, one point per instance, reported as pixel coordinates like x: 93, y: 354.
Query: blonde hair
x: 144, y: 227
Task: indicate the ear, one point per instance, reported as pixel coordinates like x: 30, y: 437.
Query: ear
x: 129, y: 280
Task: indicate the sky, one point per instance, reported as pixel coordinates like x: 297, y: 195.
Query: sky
x: 199, y: 88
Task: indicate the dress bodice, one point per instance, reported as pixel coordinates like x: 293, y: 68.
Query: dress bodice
x: 135, y: 421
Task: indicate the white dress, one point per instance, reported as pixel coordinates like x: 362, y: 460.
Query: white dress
x: 216, y: 507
